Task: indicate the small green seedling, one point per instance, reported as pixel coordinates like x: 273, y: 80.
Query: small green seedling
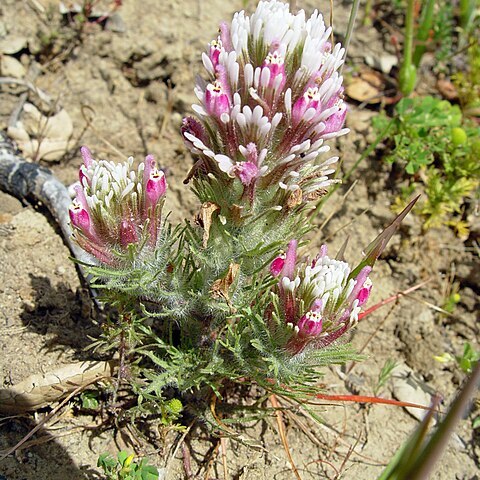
x: 89, y: 400
x: 476, y: 423
x: 124, y: 467
x: 384, y: 375
x: 451, y: 302
x: 171, y: 411
x: 468, y: 359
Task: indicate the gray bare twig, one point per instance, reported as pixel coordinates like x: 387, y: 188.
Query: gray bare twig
x: 24, y: 180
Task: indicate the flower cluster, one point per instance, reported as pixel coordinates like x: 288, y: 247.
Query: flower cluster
x: 319, y: 300
x: 272, y: 97
x: 116, y: 206
x: 209, y: 302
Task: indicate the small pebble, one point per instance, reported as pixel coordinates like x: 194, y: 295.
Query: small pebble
x: 12, y: 45
x: 11, y: 67
x: 60, y: 270
x: 115, y: 23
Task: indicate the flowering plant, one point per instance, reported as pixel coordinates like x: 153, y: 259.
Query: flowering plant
x: 218, y: 299
x: 271, y: 98
x: 320, y: 300
x: 116, y: 206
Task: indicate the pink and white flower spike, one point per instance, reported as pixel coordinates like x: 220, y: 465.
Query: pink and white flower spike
x: 117, y: 205
x: 272, y: 84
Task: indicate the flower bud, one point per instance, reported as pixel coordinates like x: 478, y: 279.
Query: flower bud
x: 246, y: 171
x: 277, y: 265
x: 459, y: 136
x: 407, y: 79
x: 274, y: 62
x: 335, y: 122
x: 86, y: 156
x: 128, y: 233
x: 215, y: 49
x: 79, y: 217
x: 225, y: 36
x: 155, y: 187
x: 309, y: 100
x: 290, y: 260
x: 310, y: 324
x: 364, y: 292
x: 193, y: 127
x: 216, y: 100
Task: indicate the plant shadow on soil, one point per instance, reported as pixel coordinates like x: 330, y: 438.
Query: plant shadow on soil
x: 45, y: 459
x: 61, y: 314
x: 64, y: 318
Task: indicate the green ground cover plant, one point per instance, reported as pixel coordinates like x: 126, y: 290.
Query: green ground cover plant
x: 125, y: 467
x: 438, y: 149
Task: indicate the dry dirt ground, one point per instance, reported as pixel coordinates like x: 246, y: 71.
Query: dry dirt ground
x: 132, y: 83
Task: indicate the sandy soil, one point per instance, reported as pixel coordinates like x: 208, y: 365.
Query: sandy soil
x: 134, y: 86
